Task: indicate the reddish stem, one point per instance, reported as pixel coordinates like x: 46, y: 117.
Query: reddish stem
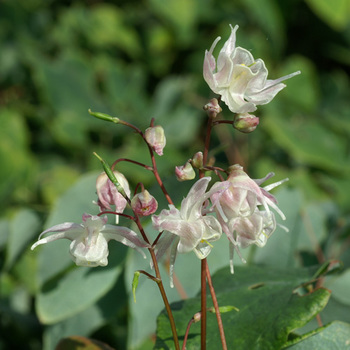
x: 217, y: 311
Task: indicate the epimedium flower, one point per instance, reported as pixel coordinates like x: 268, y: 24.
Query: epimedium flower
x: 243, y: 210
x: 89, y: 246
x: 188, y: 228
x: 239, y: 78
x: 109, y: 195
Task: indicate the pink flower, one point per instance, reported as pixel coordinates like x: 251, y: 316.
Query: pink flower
x: 109, y: 195
x: 239, y: 78
x: 239, y: 211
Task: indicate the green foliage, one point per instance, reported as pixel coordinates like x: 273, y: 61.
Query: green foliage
x: 140, y: 60
x: 270, y: 308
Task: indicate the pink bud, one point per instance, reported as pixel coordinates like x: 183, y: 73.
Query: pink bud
x: 144, y: 204
x: 155, y: 137
x: 108, y: 194
x: 185, y: 172
x: 213, y: 108
x: 245, y: 122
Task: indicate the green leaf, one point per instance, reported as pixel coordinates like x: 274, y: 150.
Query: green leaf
x: 23, y: 228
x: 91, y: 319
x: 308, y: 141
x: 270, y: 309
x: 180, y: 14
x: 333, y: 336
x: 16, y: 161
x: 76, y: 290
x: 335, y: 13
x: 340, y: 286
x: 81, y: 343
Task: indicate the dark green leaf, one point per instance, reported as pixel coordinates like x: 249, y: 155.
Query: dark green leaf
x: 270, y: 309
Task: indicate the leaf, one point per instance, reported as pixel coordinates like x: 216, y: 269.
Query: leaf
x: 333, y: 336
x: 23, y: 227
x: 340, y: 286
x: 308, y: 142
x: 269, y: 309
x: 335, y: 13
x: 89, y: 320
x: 76, y: 290
x: 180, y: 14
x: 16, y: 161
x: 81, y: 343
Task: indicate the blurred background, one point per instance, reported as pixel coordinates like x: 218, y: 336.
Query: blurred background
x: 140, y: 60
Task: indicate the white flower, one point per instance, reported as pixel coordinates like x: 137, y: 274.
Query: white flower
x: 239, y: 79
x: 89, y: 245
x: 188, y: 229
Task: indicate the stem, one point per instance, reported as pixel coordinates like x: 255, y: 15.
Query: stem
x: 217, y: 311
x: 192, y: 320
x: 160, y: 285
x: 203, y: 304
x: 155, y: 170
x: 204, y: 261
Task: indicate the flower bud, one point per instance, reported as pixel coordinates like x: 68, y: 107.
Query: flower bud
x: 155, y: 137
x: 108, y: 194
x: 213, y: 108
x: 144, y: 204
x: 197, y: 160
x: 245, y: 122
x: 185, y: 172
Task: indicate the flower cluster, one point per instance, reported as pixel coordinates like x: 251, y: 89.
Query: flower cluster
x: 237, y: 204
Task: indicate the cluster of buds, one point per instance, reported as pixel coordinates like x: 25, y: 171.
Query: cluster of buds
x: 186, y: 172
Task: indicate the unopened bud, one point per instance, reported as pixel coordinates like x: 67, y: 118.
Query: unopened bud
x: 185, y: 172
x: 109, y: 195
x: 245, y: 122
x: 155, y: 137
x: 144, y: 204
x: 213, y: 108
x: 197, y: 160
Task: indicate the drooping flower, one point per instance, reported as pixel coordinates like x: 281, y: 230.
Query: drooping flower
x: 188, y: 229
x: 239, y: 78
x: 89, y: 245
x: 144, y: 203
x: 155, y: 137
x: 243, y: 210
x: 109, y: 195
